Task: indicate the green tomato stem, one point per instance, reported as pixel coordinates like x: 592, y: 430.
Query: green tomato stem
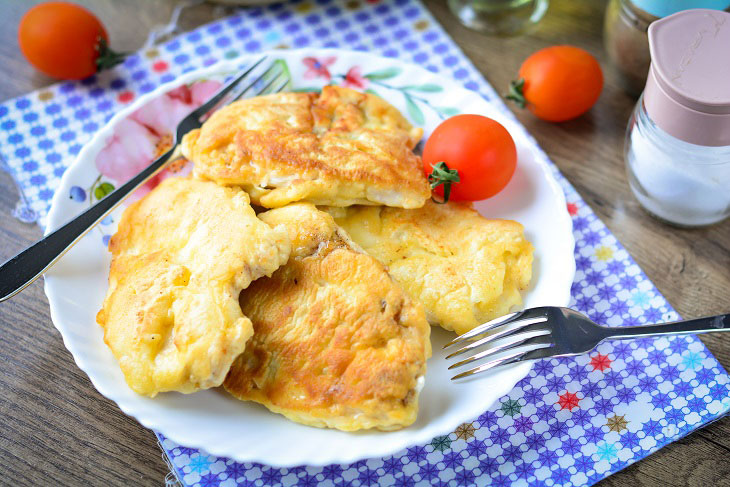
x: 441, y: 174
x: 107, y: 57
x: 517, y: 92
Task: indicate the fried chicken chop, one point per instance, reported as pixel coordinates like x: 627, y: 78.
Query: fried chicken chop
x: 336, y: 341
x: 180, y: 258
x: 463, y: 268
x: 336, y: 148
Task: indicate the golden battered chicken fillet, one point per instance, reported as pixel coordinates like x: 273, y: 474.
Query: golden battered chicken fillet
x: 180, y: 258
x: 336, y: 342
x: 336, y: 148
x: 463, y: 268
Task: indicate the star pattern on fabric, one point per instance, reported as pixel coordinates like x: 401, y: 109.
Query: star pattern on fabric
x: 600, y: 362
x: 523, y: 424
x: 604, y: 253
x: 368, y: 477
x: 429, y: 472
x: 510, y: 407
x: 691, y: 360
x: 199, y: 464
x: 476, y: 448
x: 640, y: 298
x: 606, y: 451
x: 568, y: 401
x: 416, y: 454
x: 465, y: 431
x: 487, y: 419
x: 441, y: 443
x: 208, y: 480
x: 616, y: 423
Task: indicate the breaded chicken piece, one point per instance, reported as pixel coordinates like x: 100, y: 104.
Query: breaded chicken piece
x: 336, y: 342
x: 463, y: 268
x: 180, y: 258
x: 336, y: 148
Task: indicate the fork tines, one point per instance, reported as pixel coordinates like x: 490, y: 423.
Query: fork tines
x: 271, y: 78
x: 512, y: 333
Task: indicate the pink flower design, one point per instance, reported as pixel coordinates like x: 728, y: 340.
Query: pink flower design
x: 147, y: 133
x: 131, y: 149
x: 317, y: 68
x: 197, y: 93
x: 162, y: 114
x: 354, y: 79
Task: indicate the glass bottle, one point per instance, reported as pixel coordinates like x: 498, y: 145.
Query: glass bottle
x: 677, y: 148
x: 499, y: 17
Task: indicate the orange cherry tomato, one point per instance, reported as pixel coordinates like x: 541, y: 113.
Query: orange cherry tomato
x: 479, y: 148
x: 63, y: 40
x: 558, y: 83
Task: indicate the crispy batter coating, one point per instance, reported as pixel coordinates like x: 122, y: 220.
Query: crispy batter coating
x: 339, y: 148
x: 336, y: 342
x: 463, y: 268
x: 180, y: 258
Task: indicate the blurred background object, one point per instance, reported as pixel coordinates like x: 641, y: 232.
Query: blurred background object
x: 499, y: 17
x: 625, y: 34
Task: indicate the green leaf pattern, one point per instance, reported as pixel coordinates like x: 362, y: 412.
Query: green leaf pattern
x: 414, y: 111
x: 382, y: 74
x: 103, y: 189
x: 448, y: 111
x: 307, y: 89
x: 424, y: 88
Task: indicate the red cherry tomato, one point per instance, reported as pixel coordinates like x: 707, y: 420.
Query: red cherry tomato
x: 479, y: 148
x: 558, y: 83
x: 64, y: 41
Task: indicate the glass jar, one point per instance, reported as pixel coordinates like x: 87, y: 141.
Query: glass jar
x: 626, y: 43
x: 677, y: 145
x: 499, y: 17
x: 679, y: 182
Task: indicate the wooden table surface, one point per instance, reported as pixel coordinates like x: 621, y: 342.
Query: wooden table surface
x: 55, y: 429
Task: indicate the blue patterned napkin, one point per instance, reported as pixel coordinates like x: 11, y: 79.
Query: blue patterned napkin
x: 571, y: 421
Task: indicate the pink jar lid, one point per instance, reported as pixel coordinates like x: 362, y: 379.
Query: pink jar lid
x: 687, y: 92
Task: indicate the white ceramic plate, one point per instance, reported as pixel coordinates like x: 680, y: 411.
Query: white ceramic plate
x: 245, y: 431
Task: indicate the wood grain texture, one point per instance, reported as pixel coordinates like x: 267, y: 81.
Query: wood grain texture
x: 56, y: 429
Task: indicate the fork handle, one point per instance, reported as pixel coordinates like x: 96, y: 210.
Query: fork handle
x: 699, y: 325
x: 19, y: 271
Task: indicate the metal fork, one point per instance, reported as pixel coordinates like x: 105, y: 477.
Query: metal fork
x: 550, y: 331
x: 19, y: 271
